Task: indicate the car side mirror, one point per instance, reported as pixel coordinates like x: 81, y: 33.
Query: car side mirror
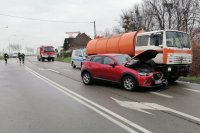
x: 113, y: 64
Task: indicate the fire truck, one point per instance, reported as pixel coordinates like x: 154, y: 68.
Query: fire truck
x: 46, y: 53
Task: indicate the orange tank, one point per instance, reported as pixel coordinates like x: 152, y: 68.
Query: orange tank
x: 124, y: 44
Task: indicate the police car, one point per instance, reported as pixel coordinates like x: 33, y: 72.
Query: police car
x: 78, y: 56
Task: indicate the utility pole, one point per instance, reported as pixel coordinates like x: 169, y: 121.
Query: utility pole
x: 95, y: 34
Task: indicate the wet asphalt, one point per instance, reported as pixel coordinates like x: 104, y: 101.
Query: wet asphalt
x: 49, y: 97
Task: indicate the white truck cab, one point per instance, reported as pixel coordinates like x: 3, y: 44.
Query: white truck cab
x: 78, y: 56
x: 174, y: 51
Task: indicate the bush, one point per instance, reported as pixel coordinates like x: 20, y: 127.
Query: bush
x: 67, y: 59
x: 195, y: 66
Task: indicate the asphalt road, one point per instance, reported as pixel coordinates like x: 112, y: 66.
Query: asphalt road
x: 49, y: 97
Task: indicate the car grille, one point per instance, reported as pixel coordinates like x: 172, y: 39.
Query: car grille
x: 157, y: 76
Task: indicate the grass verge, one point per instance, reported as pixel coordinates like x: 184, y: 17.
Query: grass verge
x: 190, y: 79
x: 67, y: 59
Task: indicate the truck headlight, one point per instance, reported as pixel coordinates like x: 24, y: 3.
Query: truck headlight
x: 169, y: 69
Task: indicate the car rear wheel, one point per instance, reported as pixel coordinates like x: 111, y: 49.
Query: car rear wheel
x: 74, y: 66
x: 129, y: 83
x: 86, y: 78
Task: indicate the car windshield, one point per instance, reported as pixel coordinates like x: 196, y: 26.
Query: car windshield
x: 177, y: 39
x: 49, y: 49
x: 122, y: 59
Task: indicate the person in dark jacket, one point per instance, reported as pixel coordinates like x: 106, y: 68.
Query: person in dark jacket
x: 19, y: 57
x: 22, y: 57
x: 5, y: 57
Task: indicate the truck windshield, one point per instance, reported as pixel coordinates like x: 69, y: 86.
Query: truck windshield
x: 177, y: 39
x: 49, y: 49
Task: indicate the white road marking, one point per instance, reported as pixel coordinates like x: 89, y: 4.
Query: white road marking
x: 93, y: 106
x: 141, y: 106
x: 54, y: 71
x: 133, y: 105
x: 160, y: 94
x: 55, y: 66
x: 66, y: 70
x: 42, y: 69
x: 193, y: 90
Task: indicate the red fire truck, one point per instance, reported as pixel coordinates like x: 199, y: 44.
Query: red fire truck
x: 46, y: 52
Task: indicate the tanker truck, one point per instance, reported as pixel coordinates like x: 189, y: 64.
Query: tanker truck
x: 174, y: 49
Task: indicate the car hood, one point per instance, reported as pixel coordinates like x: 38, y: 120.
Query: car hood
x: 146, y: 55
x: 142, y: 58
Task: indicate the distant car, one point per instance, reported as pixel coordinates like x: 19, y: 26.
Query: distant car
x: 120, y: 68
x: 78, y: 56
x: 14, y: 55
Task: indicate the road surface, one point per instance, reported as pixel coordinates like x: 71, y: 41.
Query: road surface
x: 49, y: 97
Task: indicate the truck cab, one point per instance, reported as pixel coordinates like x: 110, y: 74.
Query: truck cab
x: 175, y: 53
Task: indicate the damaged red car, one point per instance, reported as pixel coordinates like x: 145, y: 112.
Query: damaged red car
x: 131, y: 73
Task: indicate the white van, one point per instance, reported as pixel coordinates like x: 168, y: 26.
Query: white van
x: 78, y: 56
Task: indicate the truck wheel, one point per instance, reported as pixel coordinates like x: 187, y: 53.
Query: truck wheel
x: 129, y: 83
x: 86, y: 78
x: 52, y: 59
x: 49, y: 60
x: 42, y: 59
x: 39, y: 59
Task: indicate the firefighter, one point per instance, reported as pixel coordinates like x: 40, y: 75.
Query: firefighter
x: 5, y: 57
x: 19, y: 57
x: 22, y: 57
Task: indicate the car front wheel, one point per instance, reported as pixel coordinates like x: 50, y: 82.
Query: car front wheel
x: 129, y: 83
x: 86, y: 78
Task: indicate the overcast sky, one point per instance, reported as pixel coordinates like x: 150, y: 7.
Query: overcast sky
x: 31, y: 33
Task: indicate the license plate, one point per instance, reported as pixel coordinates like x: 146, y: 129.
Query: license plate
x: 158, y: 81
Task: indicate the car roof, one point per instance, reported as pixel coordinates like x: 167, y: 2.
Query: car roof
x: 110, y: 54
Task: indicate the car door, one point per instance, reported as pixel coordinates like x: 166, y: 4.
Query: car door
x: 109, y: 72
x: 80, y: 58
x: 96, y: 66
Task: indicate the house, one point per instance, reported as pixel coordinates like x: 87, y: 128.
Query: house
x: 80, y: 41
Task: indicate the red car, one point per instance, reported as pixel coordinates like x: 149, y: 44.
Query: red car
x: 120, y: 68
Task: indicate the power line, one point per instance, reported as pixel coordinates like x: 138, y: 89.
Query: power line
x: 45, y: 20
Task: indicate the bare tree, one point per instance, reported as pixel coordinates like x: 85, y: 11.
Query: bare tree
x: 29, y: 51
x: 117, y: 30
x: 162, y: 14
x: 107, y: 32
x: 14, y: 47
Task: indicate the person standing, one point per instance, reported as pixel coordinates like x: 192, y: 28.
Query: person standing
x: 19, y: 57
x: 5, y: 57
x: 22, y: 57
